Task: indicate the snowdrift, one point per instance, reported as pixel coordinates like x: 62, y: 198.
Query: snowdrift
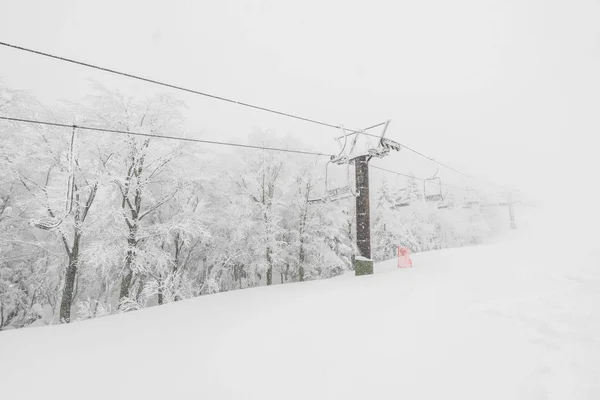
x: 504, y: 321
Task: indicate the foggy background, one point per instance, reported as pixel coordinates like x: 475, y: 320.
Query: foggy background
x: 508, y: 91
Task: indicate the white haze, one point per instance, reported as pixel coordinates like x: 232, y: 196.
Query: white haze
x: 505, y: 90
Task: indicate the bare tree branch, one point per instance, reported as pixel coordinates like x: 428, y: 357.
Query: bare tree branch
x: 160, y: 203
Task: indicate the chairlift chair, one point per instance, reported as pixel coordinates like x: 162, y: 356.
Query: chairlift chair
x: 470, y: 198
x: 503, y: 198
x: 338, y: 193
x: 490, y: 201
x: 403, y: 196
x: 433, y: 197
x: 437, y: 197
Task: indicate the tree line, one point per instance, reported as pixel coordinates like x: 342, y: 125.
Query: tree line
x: 93, y: 223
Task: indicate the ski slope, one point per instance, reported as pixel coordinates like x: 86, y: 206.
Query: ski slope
x: 515, y: 320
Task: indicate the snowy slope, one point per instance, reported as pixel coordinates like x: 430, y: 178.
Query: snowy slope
x: 505, y: 321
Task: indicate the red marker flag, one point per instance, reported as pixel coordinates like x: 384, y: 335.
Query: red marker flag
x: 404, y: 260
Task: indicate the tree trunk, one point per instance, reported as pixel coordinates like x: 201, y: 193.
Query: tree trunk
x: 140, y: 289
x: 126, y: 281
x: 302, y: 254
x: 302, y: 258
x: 270, y: 269
x: 67, y: 295
x: 73, y: 254
x: 287, y: 272
x: 160, y: 295
x: 125, y: 285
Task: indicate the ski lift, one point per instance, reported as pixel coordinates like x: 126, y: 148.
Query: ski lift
x: 338, y: 193
x: 383, y: 148
x: 346, y: 156
x: 503, y: 198
x: 343, y: 192
x: 433, y: 197
x: 384, y: 145
x: 436, y: 197
x: 402, y: 198
x: 470, y: 198
x: 49, y: 223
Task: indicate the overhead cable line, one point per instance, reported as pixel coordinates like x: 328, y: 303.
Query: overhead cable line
x: 212, y: 96
x: 414, y: 177
x: 106, y: 130
x: 437, y: 162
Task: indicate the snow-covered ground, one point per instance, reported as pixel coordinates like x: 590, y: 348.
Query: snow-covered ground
x: 519, y: 319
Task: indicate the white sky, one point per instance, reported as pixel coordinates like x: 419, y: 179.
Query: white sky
x: 506, y: 89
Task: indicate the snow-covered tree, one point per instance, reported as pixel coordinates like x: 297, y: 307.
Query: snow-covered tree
x: 260, y: 184
x: 122, y: 222
x: 135, y: 168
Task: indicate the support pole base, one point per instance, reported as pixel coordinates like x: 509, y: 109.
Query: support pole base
x: 363, y: 267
